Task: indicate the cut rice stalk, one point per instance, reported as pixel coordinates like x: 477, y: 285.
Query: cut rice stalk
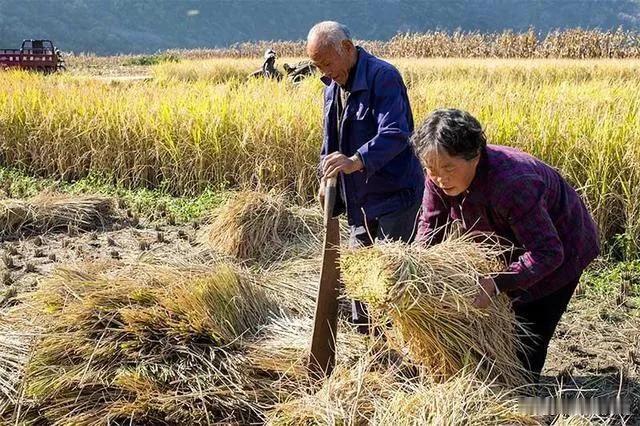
x: 262, y: 226
x: 427, y: 295
x: 49, y: 212
x: 372, y: 392
x: 167, y: 348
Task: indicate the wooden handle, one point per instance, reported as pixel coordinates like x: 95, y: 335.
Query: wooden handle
x: 329, y: 198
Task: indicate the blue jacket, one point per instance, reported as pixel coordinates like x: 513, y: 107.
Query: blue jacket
x: 377, y: 123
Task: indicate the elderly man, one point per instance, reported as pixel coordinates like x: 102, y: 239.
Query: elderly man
x: 499, y: 190
x: 367, y: 125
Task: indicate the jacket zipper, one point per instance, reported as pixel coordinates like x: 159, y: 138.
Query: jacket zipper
x: 340, y: 129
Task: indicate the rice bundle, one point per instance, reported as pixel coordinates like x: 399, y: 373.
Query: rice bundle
x: 47, y: 212
x: 427, y: 295
x: 257, y: 225
x: 167, y: 349
x: 460, y: 400
x: 349, y: 396
x: 13, y: 215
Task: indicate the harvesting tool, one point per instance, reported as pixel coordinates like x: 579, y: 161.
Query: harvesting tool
x: 323, y: 340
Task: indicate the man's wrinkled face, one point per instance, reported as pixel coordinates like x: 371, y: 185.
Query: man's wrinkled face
x: 331, y: 62
x: 450, y: 173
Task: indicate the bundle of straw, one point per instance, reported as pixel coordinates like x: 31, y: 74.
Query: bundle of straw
x: 427, y: 294
x: 13, y: 215
x: 460, y: 400
x: 163, y: 349
x: 349, y: 396
x: 48, y: 212
x: 257, y: 225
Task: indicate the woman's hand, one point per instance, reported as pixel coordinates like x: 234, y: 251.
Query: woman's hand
x: 486, y: 292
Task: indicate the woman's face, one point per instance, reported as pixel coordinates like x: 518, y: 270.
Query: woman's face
x: 452, y: 174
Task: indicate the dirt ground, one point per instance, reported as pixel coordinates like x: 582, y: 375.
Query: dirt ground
x: 595, y: 352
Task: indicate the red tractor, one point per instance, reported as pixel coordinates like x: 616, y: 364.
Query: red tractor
x: 36, y: 55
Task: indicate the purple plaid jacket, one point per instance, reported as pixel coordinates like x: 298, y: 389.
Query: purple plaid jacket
x: 526, y: 202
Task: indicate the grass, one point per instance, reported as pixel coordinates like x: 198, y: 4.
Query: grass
x: 199, y: 125
x: 146, y: 60
x: 611, y: 279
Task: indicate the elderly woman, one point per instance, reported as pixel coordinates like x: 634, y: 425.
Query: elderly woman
x: 505, y: 192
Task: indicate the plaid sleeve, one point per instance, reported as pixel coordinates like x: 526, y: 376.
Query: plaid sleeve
x: 523, y: 206
x: 434, y: 216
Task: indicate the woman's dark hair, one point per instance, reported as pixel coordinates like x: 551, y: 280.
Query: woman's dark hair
x: 455, y: 131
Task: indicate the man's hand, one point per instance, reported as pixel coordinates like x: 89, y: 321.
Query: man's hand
x: 336, y: 162
x: 485, y: 293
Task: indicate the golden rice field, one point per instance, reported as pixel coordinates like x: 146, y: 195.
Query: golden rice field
x: 199, y: 124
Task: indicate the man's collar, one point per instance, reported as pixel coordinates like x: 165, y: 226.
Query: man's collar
x: 357, y: 74
x: 352, y: 74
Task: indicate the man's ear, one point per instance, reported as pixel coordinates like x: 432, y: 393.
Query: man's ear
x: 347, y: 46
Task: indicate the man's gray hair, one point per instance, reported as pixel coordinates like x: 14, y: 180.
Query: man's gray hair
x: 329, y: 33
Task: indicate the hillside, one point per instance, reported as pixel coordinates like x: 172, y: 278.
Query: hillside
x: 141, y: 26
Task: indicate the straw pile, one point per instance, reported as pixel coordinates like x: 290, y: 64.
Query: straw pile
x: 295, y: 283
x: 160, y: 349
x: 283, y: 348
x: 257, y: 225
x: 427, y: 295
x: 47, y: 212
x: 375, y: 392
x: 14, y: 349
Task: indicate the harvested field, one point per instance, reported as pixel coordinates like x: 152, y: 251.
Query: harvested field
x: 144, y: 329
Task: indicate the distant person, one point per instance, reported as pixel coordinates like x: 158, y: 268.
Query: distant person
x: 268, y: 69
x: 500, y: 190
x: 367, y: 125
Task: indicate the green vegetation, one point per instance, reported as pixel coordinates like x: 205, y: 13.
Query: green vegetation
x: 612, y: 279
x: 151, y: 59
